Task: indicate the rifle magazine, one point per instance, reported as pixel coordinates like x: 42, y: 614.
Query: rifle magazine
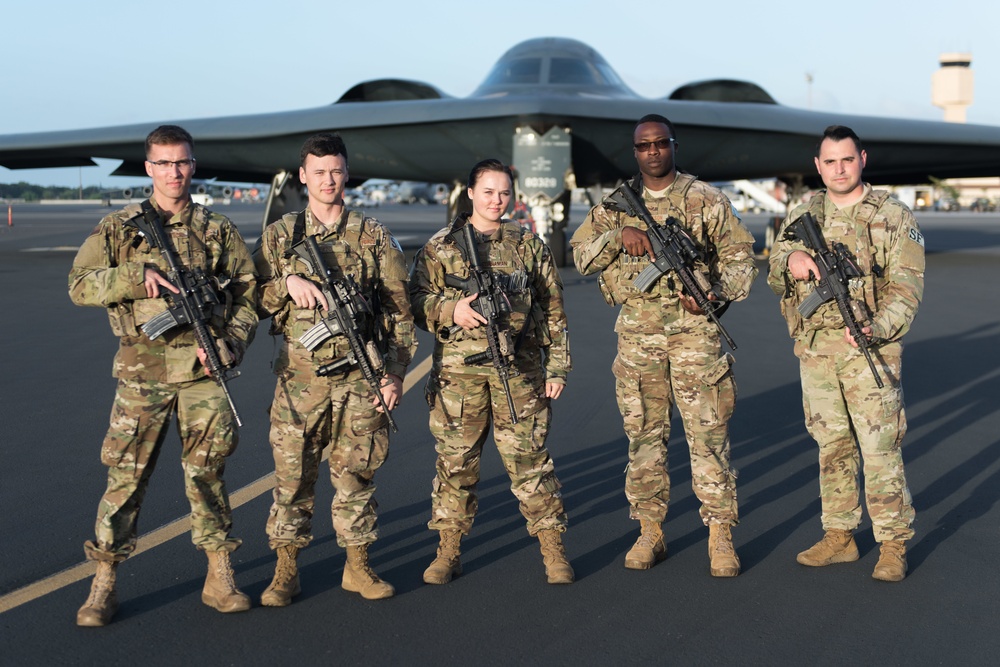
x: 318, y: 334
x: 645, y: 280
x: 160, y: 324
x: 811, y: 303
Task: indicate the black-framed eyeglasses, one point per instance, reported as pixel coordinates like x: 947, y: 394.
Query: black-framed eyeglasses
x: 644, y: 146
x: 183, y: 165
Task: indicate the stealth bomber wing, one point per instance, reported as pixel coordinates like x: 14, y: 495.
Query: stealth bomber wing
x: 406, y: 130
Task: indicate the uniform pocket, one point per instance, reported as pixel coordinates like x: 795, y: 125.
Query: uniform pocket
x: 119, y: 448
x: 528, y: 393
x: 370, y: 429
x: 720, y: 391
x: 365, y: 419
x: 628, y: 390
x: 892, y: 401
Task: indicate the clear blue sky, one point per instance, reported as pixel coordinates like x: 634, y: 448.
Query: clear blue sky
x: 71, y: 65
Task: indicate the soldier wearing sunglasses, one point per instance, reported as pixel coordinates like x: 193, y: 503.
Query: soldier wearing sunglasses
x: 669, y: 351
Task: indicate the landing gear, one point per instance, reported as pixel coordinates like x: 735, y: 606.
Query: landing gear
x: 550, y: 220
x: 286, y: 195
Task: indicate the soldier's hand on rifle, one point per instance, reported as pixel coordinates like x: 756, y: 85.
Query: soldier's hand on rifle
x: 465, y: 316
x: 802, y: 266
x: 225, y: 356
x: 305, y: 293
x: 636, y: 242
x: 153, y: 279
x: 689, y: 304
x: 203, y: 357
x: 392, y: 392
x: 867, y: 331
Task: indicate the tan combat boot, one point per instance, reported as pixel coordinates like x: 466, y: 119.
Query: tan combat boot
x: 220, y: 592
x: 891, y: 564
x: 724, y: 561
x: 837, y: 546
x: 285, y: 584
x: 557, y: 568
x: 446, y: 566
x: 359, y: 577
x: 649, y: 549
x: 102, y: 603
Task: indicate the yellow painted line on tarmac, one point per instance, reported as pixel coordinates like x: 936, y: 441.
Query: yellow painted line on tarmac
x: 166, y: 532
x: 417, y: 374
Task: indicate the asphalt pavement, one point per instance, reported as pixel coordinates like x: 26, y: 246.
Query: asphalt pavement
x: 56, y: 393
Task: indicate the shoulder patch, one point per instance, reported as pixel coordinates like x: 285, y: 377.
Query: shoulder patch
x: 440, y: 235
x: 736, y: 214
x: 395, y: 243
x: 916, y: 236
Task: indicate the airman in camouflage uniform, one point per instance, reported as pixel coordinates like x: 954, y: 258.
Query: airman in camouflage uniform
x: 465, y: 399
x: 116, y: 269
x: 312, y: 411
x: 844, y: 409
x: 668, y: 349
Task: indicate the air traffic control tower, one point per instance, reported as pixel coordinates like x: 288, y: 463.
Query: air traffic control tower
x: 951, y: 86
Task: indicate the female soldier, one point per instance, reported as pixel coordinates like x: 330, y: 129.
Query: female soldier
x: 531, y: 344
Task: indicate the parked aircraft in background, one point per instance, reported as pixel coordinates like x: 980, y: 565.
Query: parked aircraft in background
x: 552, y: 107
x: 411, y: 192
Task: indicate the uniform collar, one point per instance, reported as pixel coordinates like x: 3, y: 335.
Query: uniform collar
x: 316, y: 228
x: 180, y: 218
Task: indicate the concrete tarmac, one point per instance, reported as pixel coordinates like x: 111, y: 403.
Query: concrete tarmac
x: 56, y: 394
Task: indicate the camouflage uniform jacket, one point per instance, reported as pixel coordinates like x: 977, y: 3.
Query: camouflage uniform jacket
x: 883, y: 236
x: 109, y: 271
x: 356, y: 246
x: 536, y: 300
x: 706, y: 214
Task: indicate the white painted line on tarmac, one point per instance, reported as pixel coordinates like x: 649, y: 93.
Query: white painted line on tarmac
x: 166, y: 532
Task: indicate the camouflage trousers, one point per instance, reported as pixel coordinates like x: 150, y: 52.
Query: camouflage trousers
x: 464, y: 401
x: 844, y: 411
x: 308, y: 414
x: 652, y: 372
x: 139, y: 423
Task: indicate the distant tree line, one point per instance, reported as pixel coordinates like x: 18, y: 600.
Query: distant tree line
x: 29, y: 192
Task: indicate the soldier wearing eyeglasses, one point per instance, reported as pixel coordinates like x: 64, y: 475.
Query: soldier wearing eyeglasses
x: 669, y: 351
x: 166, y: 378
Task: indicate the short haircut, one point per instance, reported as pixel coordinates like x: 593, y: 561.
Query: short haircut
x: 489, y: 164
x: 321, y: 145
x: 839, y: 133
x: 168, y: 135
x: 656, y: 118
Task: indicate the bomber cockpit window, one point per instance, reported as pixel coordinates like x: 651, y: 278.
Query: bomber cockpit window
x: 610, y: 76
x: 574, y: 71
x: 522, y: 70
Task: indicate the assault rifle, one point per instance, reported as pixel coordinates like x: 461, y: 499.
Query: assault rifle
x: 192, y: 305
x: 675, y: 251
x: 348, y: 309
x: 491, y: 303
x: 836, y: 268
